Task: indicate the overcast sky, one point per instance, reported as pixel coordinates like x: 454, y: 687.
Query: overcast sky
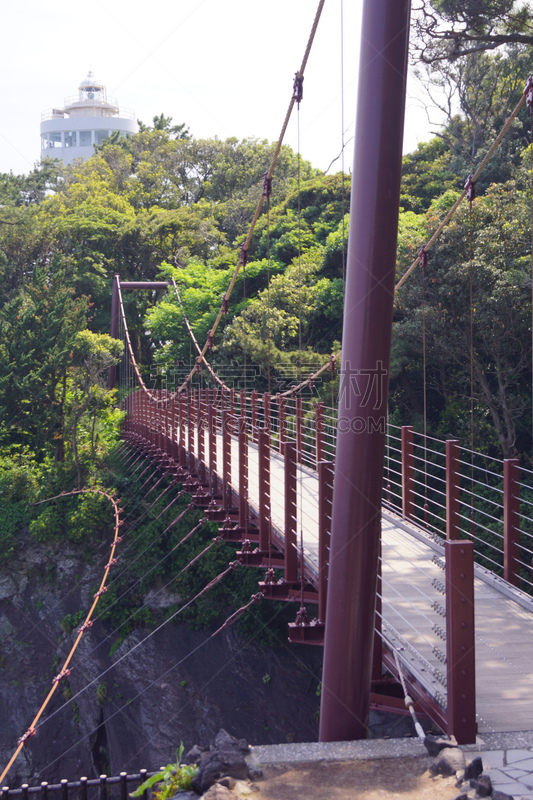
x: 223, y: 68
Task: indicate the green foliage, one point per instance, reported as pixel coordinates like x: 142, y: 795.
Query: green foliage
x: 101, y: 693
x: 173, y: 778
x: 71, y: 621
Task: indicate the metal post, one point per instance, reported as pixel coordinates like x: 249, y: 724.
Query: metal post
x: 266, y: 410
x: 212, y: 432
x: 231, y: 418
x: 226, y: 460
x: 325, y: 498
x: 263, y: 439
x: 407, y: 471
x: 201, y: 440
x: 182, y: 447
x: 453, y: 521
x: 243, y: 473
x: 511, y: 520
x: 112, y: 374
x: 253, y: 401
x: 319, y: 433
x: 291, y: 540
x: 460, y: 643
x: 282, y: 423
x: 299, y: 429
x: 362, y: 414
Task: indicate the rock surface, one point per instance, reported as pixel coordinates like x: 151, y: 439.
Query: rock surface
x: 124, y: 708
x: 226, y: 757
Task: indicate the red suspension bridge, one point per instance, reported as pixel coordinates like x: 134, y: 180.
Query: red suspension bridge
x: 379, y: 528
x: 415, y: 554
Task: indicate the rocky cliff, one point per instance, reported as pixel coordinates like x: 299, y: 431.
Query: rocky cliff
x: 127, y: 707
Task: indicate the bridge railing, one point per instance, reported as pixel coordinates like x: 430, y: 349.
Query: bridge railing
x: 264, y: 464
x: 453, y: 493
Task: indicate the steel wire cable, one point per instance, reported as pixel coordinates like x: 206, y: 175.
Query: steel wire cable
x: 90, y: 617
x: 72, y: 699
x: 64, y: 670
x: 245, y: 245
x: 260, y: 627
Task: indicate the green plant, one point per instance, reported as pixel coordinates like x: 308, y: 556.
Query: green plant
x: 172, y: 778
x: 101, y: 693
x: 266, y: 678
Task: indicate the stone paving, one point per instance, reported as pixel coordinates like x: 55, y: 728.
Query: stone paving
x: 507, y: 757
x: 511, y: 771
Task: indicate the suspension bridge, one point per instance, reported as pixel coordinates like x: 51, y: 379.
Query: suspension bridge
x: 301, y: 488
x: 414, y: 554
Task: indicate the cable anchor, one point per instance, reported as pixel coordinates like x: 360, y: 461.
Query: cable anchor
x: 301, y: 617
x: 297, y: 88
x: 85, y: 626
x: 63, y: 674
x: 528, y: 91
x: 100, y: 592
x: 470, y: 187
x: 29, y: 733
x: 267, y: 185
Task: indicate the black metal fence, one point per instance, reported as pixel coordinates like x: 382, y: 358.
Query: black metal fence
x: 102, y: 788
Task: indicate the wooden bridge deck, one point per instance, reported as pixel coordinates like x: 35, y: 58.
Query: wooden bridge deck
x: 413, y: 602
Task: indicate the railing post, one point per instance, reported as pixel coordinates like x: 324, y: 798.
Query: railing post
x: 264, y: 488
x: 253, y: 401
x: 173, y: 432
x: 226, y: 460
x: 266, y: 411
x: 83, y: 788
x: 190, y: 429
x: 201, y: 439
x: 452, y: 490
x: 407, y: 471
x: 291, y: 541
x: 511, y: 520
x: 103, y: 787
x: 182, y: 447
x: 319, y: 432
x: 282, y: 422
x: 212, y: 434
x: 325, y: 500
x: 123, y: 786
x: 299, y: 429
x: 460, y: 644
x: 231, y: 418
x: 243, y: 474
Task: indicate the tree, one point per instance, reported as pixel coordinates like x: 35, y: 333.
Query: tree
x: 162, y: 123
x: 447, y: 30
x: 37, y: 330
x: 499, y: 271
x: 92, y: 355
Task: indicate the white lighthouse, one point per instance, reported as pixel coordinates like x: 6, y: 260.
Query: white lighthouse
x: 85, y: 120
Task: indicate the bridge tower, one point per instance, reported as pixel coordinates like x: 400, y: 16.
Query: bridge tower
x: 367, y: 330
x: 86, y: 119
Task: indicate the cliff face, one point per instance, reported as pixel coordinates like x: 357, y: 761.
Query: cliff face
x: 126, y: 708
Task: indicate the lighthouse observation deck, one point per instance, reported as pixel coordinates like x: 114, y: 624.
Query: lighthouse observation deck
x: 84, y: 120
